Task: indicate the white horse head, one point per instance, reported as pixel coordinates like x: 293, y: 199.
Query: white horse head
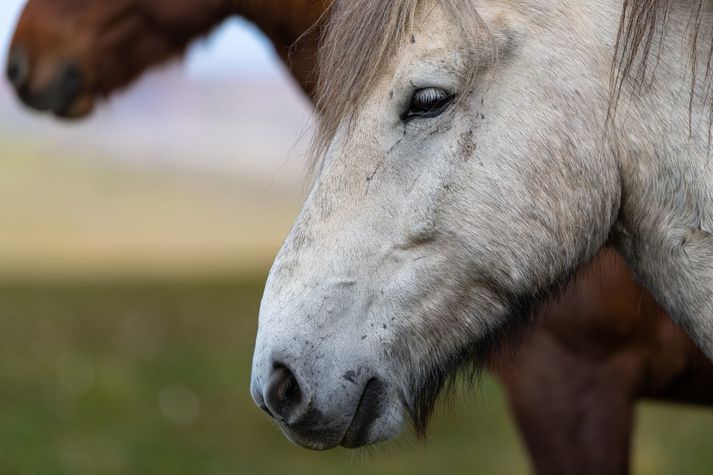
x: 465, y: 171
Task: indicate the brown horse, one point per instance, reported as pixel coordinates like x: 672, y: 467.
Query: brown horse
x: 600, y: 348
x: 573, y: 383
x: 67, y: 54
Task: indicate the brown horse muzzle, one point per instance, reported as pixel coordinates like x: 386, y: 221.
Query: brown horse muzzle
x: 58, y: 92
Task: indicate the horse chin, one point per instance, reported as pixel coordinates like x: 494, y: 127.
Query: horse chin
x: 82, y: 107
x: 311, y: 440
x: 377, y: 418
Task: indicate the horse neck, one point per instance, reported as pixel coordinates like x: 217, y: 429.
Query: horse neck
x: 288, y: 24
x: 665, y: 125
x: 664, y: 149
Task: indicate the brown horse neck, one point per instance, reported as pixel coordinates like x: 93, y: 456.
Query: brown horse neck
x: 289, y: 25
x: 294, y: 17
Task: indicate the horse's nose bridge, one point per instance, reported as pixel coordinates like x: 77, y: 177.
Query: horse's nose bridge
x: 308, y: 358
x: 318, y: 342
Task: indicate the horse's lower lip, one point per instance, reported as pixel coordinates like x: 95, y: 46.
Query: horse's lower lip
x: 367, y: 411
x: 64, y: 109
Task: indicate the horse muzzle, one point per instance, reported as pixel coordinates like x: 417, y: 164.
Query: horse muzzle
x: 57, y: 88
x: 319, y: 406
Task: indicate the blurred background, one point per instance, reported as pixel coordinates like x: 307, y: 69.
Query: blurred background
x: 133, y: 250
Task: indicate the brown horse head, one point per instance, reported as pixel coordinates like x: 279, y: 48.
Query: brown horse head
x: 67, y: 53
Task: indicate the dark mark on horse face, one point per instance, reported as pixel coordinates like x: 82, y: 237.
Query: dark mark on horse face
x: 391, y: 149
x: 467, y: 145
x: 413, y: 39
x: 370, y: 177
x: 350, y: 376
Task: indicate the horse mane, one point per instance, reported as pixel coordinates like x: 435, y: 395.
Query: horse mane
x: 359, y: 39
x: 642, y: 25
x: 361, y: 35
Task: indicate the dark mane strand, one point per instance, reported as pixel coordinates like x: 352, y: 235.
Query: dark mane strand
x: 643, y: 25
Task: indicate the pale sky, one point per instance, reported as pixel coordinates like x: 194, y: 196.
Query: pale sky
x: 235, y: 48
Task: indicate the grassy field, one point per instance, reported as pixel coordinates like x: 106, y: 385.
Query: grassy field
x: 137, y: 378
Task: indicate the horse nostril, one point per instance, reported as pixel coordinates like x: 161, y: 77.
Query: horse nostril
x: 68, y: 87
x: 17, y: 68
x: 283, y: 397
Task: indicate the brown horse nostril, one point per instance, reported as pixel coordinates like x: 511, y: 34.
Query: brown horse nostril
x: 284, y: 397
x: 59, y: 94
x: 67, y: 88
x: 17, y: 68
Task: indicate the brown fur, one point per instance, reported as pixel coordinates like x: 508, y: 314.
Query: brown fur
x: 573, y: 383
x: 115, y: 41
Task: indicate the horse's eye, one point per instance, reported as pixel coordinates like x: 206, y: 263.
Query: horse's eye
x: 428, y: 102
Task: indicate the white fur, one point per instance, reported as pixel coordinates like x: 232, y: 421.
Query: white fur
x: 420, y: 239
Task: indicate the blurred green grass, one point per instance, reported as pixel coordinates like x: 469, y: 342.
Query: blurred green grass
x: 152, y: 378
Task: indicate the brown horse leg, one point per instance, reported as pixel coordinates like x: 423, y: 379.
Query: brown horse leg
x: 575, y: 415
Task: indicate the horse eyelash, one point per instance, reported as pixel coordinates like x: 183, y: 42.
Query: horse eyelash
x: 443, y: 103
